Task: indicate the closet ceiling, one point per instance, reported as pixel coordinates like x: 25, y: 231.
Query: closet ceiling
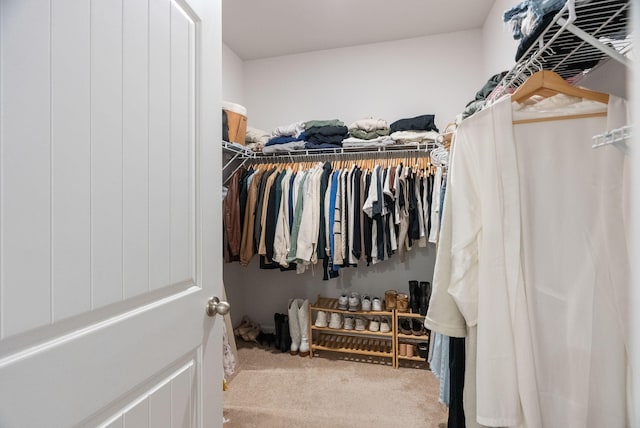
x: 267, y: 28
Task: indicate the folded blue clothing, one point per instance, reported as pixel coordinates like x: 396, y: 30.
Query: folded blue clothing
x: 311, y: 145
x: 285, y: 139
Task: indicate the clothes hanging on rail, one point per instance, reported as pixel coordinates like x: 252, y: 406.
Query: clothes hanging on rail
x: 335, y: 218
x: 533, y: 268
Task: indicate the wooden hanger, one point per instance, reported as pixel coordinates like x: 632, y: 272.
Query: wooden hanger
x: 548, y: 83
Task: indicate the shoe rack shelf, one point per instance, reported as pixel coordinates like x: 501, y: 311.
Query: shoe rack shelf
x: 361, y: 342
x: 401, y: 337
x: 353, y: 345
x: 354, y: 331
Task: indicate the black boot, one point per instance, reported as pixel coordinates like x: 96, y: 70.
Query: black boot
x: 285, y: 339
x: 425, y: 297
x: 414, y: 299
x: 277, y: 319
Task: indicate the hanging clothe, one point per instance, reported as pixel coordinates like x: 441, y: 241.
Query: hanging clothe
x: 533, y: 269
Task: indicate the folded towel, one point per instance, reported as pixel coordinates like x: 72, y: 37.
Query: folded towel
x: 418, y: 123
x: 369, y: 124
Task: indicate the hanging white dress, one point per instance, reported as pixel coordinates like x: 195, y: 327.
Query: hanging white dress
x: 533, y: 265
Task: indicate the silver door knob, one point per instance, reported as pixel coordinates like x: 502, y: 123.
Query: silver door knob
x: 215, y: 306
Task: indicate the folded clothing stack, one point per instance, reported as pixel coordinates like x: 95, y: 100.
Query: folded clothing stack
x: 324, y: 134
x: 414, y: 130
x: 255, y: 139
x: 369, y: 129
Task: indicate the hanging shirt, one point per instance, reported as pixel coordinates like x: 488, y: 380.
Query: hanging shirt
x: 435, y: 208
x: 534, y: 267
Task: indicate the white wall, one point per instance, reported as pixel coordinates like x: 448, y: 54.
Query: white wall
x: 232, y: 76
x: 499, y: 47
x: 391, y: 80
x: 260, y: 293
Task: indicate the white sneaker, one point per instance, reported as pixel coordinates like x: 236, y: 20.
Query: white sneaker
x: 354, y: 302
x: 384, y: 325
x: 349, y: 322
x: 336, y: 320
x: 374, y: 325
x: 366, y: 304
x: 321, y: 319
x: 343, y: 302
x: 376, y: 304
x: 361, y: 323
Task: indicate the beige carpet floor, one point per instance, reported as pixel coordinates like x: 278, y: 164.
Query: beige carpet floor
x: 275, y: 390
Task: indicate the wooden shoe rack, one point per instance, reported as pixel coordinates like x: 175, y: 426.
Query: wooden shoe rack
x: 408, y: 338
x: 365, y: 342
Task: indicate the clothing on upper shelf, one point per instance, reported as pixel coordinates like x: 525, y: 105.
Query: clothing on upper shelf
x: 358, y: 142
x: 419, y: 123
x: 255, y: 139
x: 285, y: 139
x: 533, y: 269
x: 369, y: 124
x: 339, y: 217
x: 322, y: 137
x: 322, y: 123
x: 414, y: 136
x: 368, y: 135
x: 291, y: 130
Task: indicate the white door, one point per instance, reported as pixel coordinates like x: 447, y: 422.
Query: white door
x: 110, y: 213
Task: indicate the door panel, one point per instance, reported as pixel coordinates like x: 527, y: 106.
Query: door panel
x: 160, y: 135
x: 25, y: 221
x: 135, y: 145
x: 109, y: 206
x: 70, y: 159
x: 106, y: 152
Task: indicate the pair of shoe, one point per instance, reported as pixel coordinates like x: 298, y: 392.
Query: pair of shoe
x: 282, y: 335
x: 412, y: 326
x: 406, y: 349
x: 351, y: 303
x: 420, y: 293
x: 394, y: 300
x: 369, y: 304
x: 247, y: 330
x: 355, y: 323
x: 336, y: 321
x: 381, y: 325
x: 299, y: 327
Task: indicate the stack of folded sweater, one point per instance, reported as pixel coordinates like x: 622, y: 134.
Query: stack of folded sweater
x: 414, y: 130
x: 324, y: 134
x: 286, y: 138
x: 368, y: 132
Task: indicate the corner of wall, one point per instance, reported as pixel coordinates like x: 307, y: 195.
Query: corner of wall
x: 232, y: 75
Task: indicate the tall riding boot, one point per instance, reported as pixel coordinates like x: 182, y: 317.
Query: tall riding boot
x: 425, y: 288
x: 414, y: 299
x: 303, y: 321
x: 285, y: 339
x: 277, y: 327
x: 294, y: 326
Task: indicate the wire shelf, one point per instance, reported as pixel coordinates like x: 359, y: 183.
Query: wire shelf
x: 580, y: 36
